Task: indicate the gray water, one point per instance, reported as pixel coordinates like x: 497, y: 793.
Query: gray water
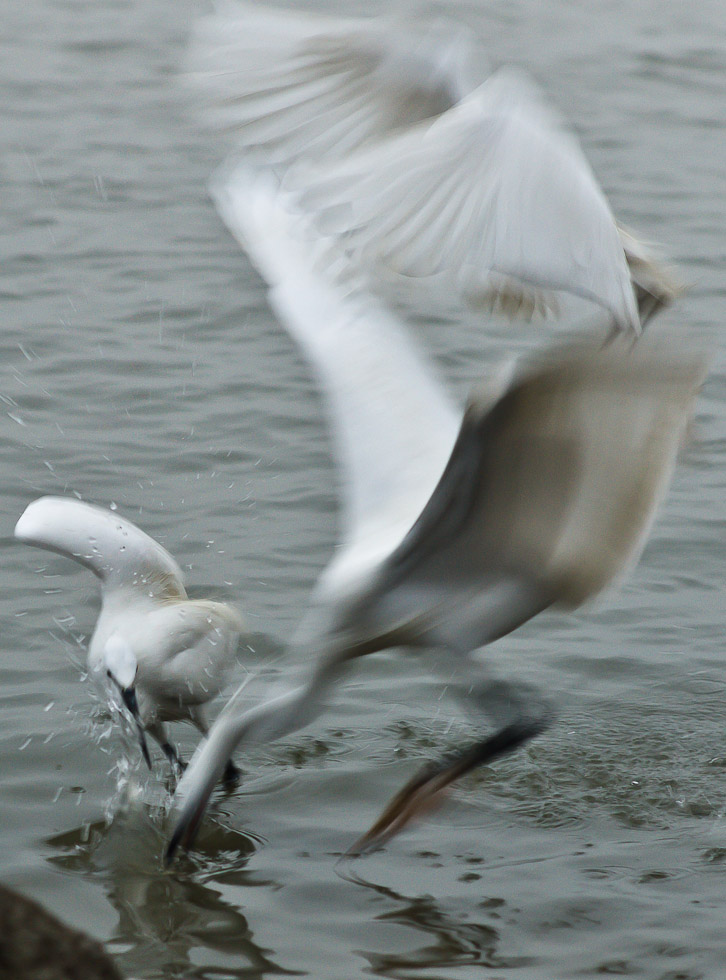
x: 140, y: 368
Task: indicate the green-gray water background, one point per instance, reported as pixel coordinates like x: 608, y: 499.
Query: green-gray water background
x: 141, y: 368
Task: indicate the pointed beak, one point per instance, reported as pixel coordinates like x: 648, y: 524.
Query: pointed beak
x: 128, y: 694
x: 185, y: 833
x: 129, y: 698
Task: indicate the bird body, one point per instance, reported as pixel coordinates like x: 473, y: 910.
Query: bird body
x: 175, y: 652
x: 457, y: 525
x: 184, y: 649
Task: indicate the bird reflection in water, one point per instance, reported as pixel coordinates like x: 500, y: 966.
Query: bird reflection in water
x: 164, y: 920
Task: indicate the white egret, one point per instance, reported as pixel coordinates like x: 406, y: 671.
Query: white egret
x: 456, y: 527
x: 420, y: 163
x: 168, y: 655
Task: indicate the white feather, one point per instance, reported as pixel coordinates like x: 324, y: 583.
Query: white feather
x: 422, y: 167
x: 494, y: 196
x: 184, y: 648
x: 544, y: 496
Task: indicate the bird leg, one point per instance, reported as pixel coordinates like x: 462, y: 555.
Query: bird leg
x: 425, y: 791
x: 231, y: 776
x: 175, y: 760
x: 144, y: 747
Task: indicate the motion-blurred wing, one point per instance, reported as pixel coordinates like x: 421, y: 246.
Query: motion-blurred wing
x: 655, y: 285
x: 494, y: 196
x: 419, y: 167
x: 549, y: 493
x: 297, y: 85
x: 392, y: 423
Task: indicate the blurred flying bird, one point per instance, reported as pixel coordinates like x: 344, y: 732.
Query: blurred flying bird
x: 420, y: 163
x: 457, y: 527
x: 168, y: 655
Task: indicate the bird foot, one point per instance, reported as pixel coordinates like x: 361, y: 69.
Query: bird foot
x: 232, y: 776
x: 175, y: 760
x: 427, y: 789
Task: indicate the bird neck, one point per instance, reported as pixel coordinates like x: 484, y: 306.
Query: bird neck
x: 286, y: 712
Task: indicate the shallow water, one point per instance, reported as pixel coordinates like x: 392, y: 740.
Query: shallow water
x: 140, y: 367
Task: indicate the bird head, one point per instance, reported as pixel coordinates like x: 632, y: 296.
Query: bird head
x: 122, y: 667
x: 120, y: 662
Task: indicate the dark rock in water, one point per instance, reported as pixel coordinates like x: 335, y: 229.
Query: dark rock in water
x: 34, y: 945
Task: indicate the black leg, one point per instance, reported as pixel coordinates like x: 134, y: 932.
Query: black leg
x: 425, y: 789
x: 144, y: 746
x: 231, y: 776
x: 175, y: 761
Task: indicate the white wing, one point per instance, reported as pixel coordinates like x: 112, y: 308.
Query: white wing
x: 392, y: 423
x: 114, y: 549
x: 293, y: 84
x: 494, y: 196
x: 549, y: 493
x: 421, y: 168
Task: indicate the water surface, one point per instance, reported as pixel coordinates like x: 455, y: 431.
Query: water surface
x: 141, y: 368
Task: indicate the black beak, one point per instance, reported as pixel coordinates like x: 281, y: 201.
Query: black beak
x: 129, y: 698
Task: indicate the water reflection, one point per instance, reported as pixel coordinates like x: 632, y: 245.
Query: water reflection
x: 182, y: 923
x: 169, y: 924
x: 451, y: 941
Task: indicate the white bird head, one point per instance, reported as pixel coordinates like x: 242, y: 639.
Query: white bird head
x: 121, y: 666
x: 119, y: 661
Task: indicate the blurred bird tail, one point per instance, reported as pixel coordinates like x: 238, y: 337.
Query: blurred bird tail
x: 656, y: 286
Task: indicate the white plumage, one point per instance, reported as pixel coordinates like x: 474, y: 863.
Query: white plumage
x: 457, y: 527
x: 395, y: 136
x: 168, y: 654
